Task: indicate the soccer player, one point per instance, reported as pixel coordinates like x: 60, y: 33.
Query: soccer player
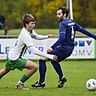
x: 14, y: 58
x: 63, y: 47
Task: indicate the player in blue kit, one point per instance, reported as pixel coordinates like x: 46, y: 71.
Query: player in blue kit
x: 63, y: 47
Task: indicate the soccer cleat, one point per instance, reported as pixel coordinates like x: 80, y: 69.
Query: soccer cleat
x: 37, y: 84
x: 62, y: 82
x: 21, y: 86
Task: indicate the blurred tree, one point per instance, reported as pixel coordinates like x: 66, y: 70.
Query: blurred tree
x: 45, y: 12
x: 13, y: 11
x: 84, y: 12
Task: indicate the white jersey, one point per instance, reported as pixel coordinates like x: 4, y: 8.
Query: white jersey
x: 23, y: 42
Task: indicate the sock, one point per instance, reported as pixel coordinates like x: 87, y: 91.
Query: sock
x: 57, y: 68
x: 19, y: 82
x: 42, y: 70
x: 24, y: 78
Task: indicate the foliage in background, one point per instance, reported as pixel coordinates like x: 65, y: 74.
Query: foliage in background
x: 13, y: 10
x: 84, y: 12
x: 45, y: 12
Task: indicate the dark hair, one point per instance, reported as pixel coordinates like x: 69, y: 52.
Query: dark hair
x: 64, y: 10
x: 27, y: 19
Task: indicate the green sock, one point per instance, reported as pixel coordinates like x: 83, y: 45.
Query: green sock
x: 24, y: 78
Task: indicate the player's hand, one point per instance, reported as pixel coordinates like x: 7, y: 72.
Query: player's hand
x: 50, y: 36
x: 49, y: 50
x: 55, y: 58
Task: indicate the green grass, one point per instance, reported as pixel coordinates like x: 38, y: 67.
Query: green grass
x: 43, y: 31
x: 39, y: 31
x: 77, y: 72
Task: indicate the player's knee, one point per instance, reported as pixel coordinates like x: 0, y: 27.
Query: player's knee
x: 35, y: 66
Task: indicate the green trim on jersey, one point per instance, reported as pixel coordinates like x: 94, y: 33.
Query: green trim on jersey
x: 23, y: 51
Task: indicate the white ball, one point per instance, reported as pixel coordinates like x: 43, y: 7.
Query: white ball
x: 91, y: 84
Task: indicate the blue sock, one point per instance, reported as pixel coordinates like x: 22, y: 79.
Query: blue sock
x: 42, y: 70
x: 57, y: 68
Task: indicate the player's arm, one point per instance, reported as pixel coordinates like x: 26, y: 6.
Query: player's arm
x: 62, y: 34
x: 37, y: 36
x: 84, y: 31
x: 28, y: 41
x: 42, y: 54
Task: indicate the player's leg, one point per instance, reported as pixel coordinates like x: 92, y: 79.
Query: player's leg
x: 31, y: 69
x: 6, y: 69
x: 62, y: 54
x: 58, y: 70
x: 3, y: 72
x: 42, y: 72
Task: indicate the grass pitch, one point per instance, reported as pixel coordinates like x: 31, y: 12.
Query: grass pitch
x: 42, y: 31
x: 76, y: 71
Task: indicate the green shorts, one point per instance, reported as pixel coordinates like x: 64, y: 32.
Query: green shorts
x: 16, y: 64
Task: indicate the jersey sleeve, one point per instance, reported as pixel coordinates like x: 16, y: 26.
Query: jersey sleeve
x: 84, y: 31
x: 37, y: 36
x: 27, y: 39
x: 62, y: 34
x: 42, y: 54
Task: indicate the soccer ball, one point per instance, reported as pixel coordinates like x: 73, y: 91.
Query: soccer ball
x: 91, y: 84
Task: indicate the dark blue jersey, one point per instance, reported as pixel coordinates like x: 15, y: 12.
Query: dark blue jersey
x: 67, y: 29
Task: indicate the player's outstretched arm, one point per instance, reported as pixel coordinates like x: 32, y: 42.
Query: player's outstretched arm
x: 42, y: 54
x: 84, y: 31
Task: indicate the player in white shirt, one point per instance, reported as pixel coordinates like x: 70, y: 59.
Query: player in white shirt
x: 14, y: 58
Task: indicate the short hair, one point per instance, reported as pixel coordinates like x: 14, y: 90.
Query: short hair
x: 27, y: 18
x: 64, y: 10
